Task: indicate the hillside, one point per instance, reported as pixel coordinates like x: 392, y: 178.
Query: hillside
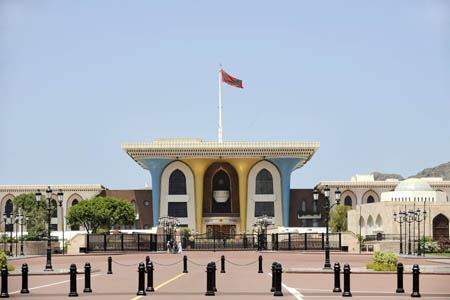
x: 442, y: 170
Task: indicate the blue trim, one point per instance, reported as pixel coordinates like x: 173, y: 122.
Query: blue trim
x: 285, y: 166
x: 156, y: 167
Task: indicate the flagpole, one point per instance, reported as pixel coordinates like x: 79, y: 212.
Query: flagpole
x: 220, y: 107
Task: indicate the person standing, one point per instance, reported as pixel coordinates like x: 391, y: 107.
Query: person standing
x: 180, y: 248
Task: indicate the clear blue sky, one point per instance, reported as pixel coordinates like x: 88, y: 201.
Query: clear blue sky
x: 370, y: 80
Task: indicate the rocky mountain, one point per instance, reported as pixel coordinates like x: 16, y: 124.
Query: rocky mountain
x: 443, y: 170
x: 383, y: 176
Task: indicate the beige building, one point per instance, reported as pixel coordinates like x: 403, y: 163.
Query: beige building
x: 371, y: 218
x: 73, y: 194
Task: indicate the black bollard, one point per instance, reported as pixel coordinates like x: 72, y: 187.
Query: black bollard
x: 109, y: 265
x: 73, y: 281
x: 150, y: 277
x: 147, y: 260
x: 337, y: 278
x: 400, y: 278
x: 87, y: 278
x: 222, y: 264
x: 141, y: 280
x: 346, y: 292
x: 274, y: 264
x: 24, y: 289
x: 185, y: 264
x: 209, y: 280
x: 278, y: 271
x: 260, y: 270
x: 214, y: 277
x: 415, y: 292
x: 4, y: 293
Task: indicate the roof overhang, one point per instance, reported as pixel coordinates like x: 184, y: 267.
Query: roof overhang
x: 180, y: 149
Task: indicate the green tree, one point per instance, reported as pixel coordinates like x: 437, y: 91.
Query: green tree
x: 338, y: 218
x: 37, y: 222
x: 101, y: 213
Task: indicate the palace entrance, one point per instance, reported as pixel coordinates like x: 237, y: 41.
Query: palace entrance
x: 440, y: 227
x: 221, y: 193
x: 221, y: 231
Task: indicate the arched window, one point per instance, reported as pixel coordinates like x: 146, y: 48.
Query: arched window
x: 177, y: 183
x: 8, y: 211
x: 54, y: 207
x: 370, y: 199
x: 379, y: 222
x: 348, y: 201
x: 369, y: 225
x: 264, y: 182
x: 303, y: 205
x: 76, y: 227
x: 315, y: 209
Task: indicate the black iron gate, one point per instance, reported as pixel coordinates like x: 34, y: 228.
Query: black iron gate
x: 213, y: 241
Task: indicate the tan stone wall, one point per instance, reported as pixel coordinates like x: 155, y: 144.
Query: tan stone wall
x: 77, y: 242
x: 386, y: 209
x: 350, y: 240
x: 32, y: 247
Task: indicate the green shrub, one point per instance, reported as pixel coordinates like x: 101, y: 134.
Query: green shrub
x: 383, y: 261
x: 3, y: 258
x: 429, y: 246
x: 381, y: 267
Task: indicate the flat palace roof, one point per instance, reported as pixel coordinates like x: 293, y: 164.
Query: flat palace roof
x: 180, y: 149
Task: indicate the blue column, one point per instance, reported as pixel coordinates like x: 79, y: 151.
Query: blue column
x: 156, y: 166
x: 286, y: 166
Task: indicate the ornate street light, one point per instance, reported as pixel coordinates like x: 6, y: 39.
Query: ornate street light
x: 400, y: 220
x: 169, y: 224
x: 328, y: 207
x: 9, y: 221
x: 48, y: 266
x: 418, y: 219
x: 263, y: 221
x: 21, y: 223
x: 409, y: 218
x: 60, y: 201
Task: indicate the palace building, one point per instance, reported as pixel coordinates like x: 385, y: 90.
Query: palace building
x: 221, y: 186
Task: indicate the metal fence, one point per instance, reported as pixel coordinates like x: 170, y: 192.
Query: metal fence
x: 381, y: 237
x: 213, y: 241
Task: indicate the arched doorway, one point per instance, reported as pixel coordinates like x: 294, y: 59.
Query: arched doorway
x: 221, y: 193
x: 221, y: 198
x: 440, y: 227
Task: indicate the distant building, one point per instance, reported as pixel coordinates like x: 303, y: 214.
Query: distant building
x: 375, y: 202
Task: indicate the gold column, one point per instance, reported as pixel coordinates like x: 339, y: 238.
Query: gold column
x: 243, y: 166
x: 198, y: 167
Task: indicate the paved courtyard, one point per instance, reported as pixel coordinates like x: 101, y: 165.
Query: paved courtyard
x: 241, y: 280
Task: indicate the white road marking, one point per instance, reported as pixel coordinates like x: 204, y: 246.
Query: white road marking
x: 51, y: 284
x: 293, y: 291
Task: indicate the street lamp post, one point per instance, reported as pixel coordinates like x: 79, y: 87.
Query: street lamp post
x: 400, y: 220
x: 409, y: 218
x: 48, y: 266
x: 21, y: 217
x: 169, y: 224
x: 5, y: 236
x: 8, y: 221
x: 328, y: 207
x: 60, y: 201
x: 419, y: 220
x: 263, y: 221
